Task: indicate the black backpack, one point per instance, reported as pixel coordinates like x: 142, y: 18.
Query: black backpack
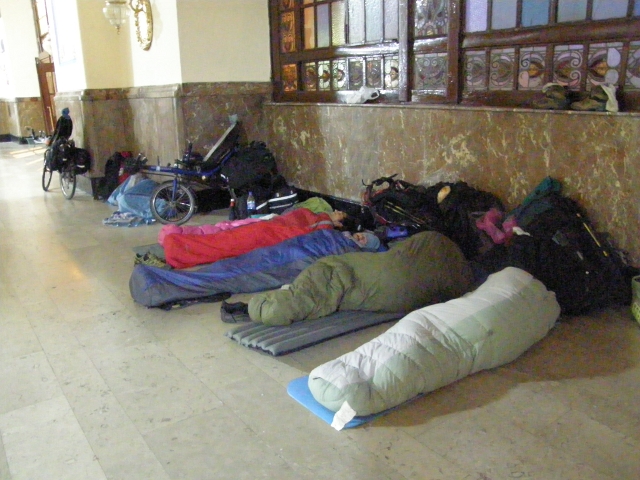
x: 565, y: 253
x: 107, y: 184
x: 252, y: 164
x: 392, y: 202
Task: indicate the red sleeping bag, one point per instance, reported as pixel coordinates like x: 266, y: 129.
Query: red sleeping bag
x: 183, y: 250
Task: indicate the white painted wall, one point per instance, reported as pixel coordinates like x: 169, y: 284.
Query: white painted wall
x: 224, y: 40
x: 107, y: 61
x: 18, y: 34
x: 160, y: 65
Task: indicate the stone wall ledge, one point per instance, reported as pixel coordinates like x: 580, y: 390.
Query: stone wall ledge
x: 469, y: 108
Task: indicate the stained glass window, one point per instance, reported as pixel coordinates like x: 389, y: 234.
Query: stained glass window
x: 374, y: 72
x: 633, y: 67
x: 391, y: 73
x: 475, y: 68
x: 604, y: 63
x: 501, y: 69
x: 431, y: 18
x: 324, y: 75
x: 310, y: 76
x: 532, y: 66
x: 339, y: 74
x: 492, y: 56
x: 287, y: 32
x: 290, y: 78
x: 567, y: 65
x: 431, y: 72
x: 356, y: 73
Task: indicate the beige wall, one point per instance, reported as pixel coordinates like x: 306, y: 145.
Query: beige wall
x: 193, y: 41
x: 224, y: 41
x: 18, y: 78
x: 161, y: 64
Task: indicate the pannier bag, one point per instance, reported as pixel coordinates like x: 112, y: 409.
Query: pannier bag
x: 283, y: 195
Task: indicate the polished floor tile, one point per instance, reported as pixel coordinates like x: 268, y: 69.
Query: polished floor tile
x: 94, y: 386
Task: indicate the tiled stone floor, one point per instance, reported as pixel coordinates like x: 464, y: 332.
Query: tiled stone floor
x: 94, y: 386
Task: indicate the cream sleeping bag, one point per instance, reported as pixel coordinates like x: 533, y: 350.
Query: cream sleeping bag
x: 439, y: 344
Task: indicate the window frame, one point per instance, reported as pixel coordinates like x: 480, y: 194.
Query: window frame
x: 454, y: 44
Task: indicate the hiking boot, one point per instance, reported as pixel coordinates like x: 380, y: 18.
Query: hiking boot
x: 601, y: 98
x: 234, y: 312
x: 151, y: 260
x: 556, y: 97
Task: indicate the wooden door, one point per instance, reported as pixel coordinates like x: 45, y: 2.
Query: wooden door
x: 47, y: 80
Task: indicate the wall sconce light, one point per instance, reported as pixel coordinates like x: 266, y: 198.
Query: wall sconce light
x: 116, y: 11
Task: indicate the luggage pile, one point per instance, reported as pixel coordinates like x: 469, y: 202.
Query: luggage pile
x: 549, y: 235
x: 253, y: 172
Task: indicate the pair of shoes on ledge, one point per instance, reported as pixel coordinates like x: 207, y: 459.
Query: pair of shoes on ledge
x: 601, y: 98
x: 234, y: 312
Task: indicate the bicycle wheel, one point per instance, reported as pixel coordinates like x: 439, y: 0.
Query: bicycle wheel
x: 68, y: 180
x: 172, y: 202
x: 47, y: 172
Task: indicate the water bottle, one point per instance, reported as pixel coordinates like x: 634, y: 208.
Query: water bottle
x: 251, y: 204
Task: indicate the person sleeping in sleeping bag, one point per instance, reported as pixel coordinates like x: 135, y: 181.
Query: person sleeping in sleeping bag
x: 259, y: 270
x: 188, y: 250
x: 424, y: 269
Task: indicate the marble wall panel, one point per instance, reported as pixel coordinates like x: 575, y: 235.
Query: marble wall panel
x: 158, y: 121
x: 18, y: 114
x: 333, y: 149
x: 206, y: 109
x: 98, y: 123
x: 155, y: 127
x: 5, y: 117
x: 30, y: 113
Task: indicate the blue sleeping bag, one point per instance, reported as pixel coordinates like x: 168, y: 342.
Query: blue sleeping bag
x: 261, y: 269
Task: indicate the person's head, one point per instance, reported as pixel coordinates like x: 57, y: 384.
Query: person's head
x: 65, y: 112
x: 366, y: 241
x: 337, y: 217
x: 345, y: 222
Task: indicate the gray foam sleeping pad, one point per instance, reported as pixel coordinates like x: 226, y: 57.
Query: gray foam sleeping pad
x: 280, y: 340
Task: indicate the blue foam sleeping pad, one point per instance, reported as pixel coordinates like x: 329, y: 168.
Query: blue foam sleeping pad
x: 261, y: 269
